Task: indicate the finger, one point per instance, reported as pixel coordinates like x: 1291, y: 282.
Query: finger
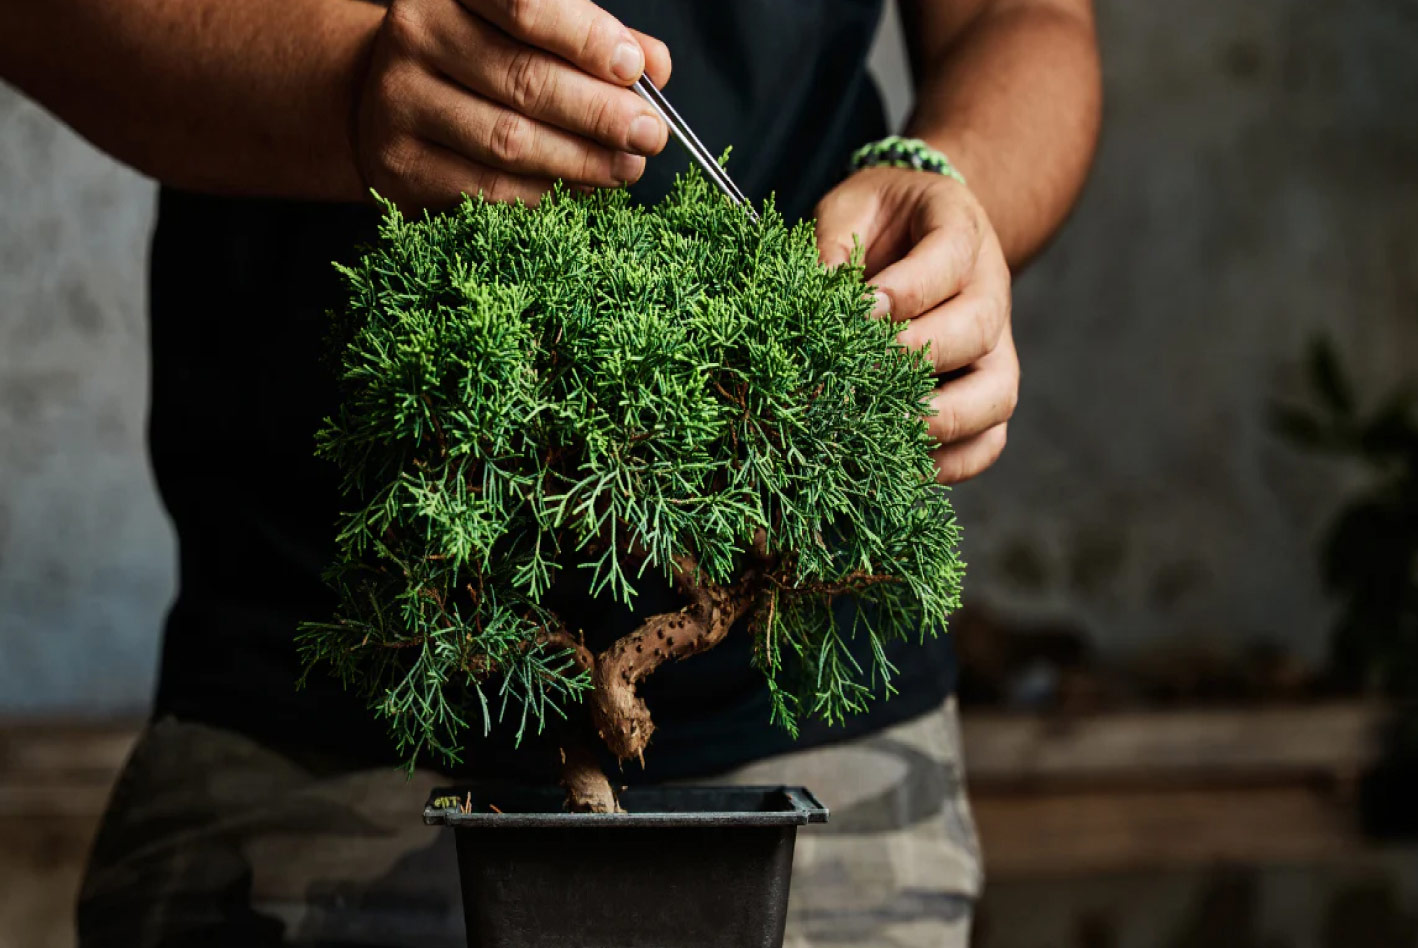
x: 962, y: 331
x: 489, y: 134
x: 845, y: 218
x: 576, y: 30
x: 964, y: 459
x: 947, y: 237
x: 539, y: 85
x: 657, y: 58
x: 984, y: 397
x: 434, y: 177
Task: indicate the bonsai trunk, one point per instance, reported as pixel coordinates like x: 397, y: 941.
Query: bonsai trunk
x: 587, y: 789
x: 618, y: 713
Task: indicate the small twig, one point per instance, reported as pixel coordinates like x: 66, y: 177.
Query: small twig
x: 437, y: 428
x: 402, y: 643
x: 852, y: 582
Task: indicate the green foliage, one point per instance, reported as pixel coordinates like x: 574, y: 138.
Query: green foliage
x: 590, y: 377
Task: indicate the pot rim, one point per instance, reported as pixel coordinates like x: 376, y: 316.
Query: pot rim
x: 464, y: 808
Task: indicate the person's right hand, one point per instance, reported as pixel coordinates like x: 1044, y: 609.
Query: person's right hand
x: 502, y: 97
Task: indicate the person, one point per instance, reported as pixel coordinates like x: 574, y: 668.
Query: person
x: 252, y: 813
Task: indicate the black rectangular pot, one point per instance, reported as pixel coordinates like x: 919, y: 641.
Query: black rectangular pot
x: 689, y: 866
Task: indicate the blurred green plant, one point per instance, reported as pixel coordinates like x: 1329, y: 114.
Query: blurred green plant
x: 1369, y: 557
x: 1369, y: 560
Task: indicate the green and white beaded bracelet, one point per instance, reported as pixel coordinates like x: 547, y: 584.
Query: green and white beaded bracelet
x: 897, y: 152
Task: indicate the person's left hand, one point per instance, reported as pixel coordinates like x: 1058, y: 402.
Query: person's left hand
x: 938, y: 266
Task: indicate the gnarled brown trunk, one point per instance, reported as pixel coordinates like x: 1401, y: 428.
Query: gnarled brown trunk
x: 618, y: 713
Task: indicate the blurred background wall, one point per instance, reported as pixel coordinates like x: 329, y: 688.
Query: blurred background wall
x: 1255, y: 185
x: 86, y: 555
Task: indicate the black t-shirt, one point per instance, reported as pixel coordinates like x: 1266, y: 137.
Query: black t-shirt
x: 240, y: 291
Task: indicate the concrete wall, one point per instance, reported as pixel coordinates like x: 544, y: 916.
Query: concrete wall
x: 1255, y: 184
x: 86, y: 555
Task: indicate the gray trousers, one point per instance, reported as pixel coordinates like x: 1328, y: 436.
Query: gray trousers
x: 212, y: 840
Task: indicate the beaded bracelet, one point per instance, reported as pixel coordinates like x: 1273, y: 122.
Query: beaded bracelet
x: 897, y: 152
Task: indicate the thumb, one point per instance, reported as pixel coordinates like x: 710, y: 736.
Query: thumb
x: 845, y: 216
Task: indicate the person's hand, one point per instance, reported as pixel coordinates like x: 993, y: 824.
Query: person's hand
x: 502, y: 97
x: 938, y: 266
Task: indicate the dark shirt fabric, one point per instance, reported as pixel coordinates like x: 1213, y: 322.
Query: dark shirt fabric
x: 240, y: 291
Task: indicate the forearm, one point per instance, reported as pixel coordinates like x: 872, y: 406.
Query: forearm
x: 253, y: 97
x: 1010, y: 91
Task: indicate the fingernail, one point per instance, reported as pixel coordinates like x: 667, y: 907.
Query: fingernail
x: 646, y: 133
x: 628, y: 62
x: 627, y: 168
x: 882, y: 305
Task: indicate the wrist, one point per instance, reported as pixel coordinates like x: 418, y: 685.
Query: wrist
x: 354, y: 72
x: 896, y: 151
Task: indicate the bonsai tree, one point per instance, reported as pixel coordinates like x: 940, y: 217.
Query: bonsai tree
x: 668, y: 395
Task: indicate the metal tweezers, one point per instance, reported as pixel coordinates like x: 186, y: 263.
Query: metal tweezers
x: 701, y: 156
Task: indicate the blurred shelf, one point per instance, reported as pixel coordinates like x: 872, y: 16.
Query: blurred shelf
x: 1111, y: 792
x: 1200, y: 747
x: 1136, y: 791
x: 61, y: 768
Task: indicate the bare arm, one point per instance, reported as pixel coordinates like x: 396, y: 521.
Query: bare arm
x: 321, y: 99
x: 1011, y: 91
x: 254, y: 97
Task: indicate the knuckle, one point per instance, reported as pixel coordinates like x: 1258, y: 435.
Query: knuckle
x: 950, y: 468
x: 511, y: 139
x: 396, y: 157
x: 972, y: 221
x: 946, y: 423
x: 483, y: 183
x: 529, y: 80
x: 836, y: 250
x: 587, y: 45
x: 603, y: 118
x: 389, y: 89
x: 593, y: 166
x: 499, y: 191
x: 910, y: 301
x: 598, y: 34
x: 986, y: 332
x: 523, y: 15
x: 403, y: 23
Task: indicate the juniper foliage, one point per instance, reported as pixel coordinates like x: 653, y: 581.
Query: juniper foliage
x: 520, y: 384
